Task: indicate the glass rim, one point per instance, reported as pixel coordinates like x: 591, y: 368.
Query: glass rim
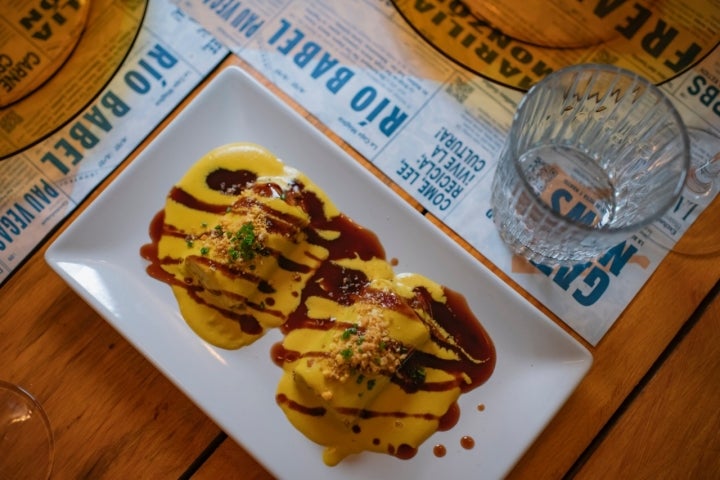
x: 613, y: 69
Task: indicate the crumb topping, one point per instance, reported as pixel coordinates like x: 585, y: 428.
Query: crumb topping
x: 234, y: 238
x: 364, y: 348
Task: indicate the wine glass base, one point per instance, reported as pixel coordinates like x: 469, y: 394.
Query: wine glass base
x: 26, y: 439
x: 698, y: 203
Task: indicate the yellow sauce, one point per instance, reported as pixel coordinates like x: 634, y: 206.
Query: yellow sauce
x: 372, y: 360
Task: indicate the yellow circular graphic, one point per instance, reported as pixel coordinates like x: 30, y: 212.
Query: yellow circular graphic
x: 55, y: 58
x: 518, y: 42
x: 37, y: 46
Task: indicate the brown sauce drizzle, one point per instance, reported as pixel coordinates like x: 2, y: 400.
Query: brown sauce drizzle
x: 439, y: 450
x: 184, y: 198
x: 150, y: 252
x: 230, y: 181
x: 367, y: 414
x: 467, y: 442
x: 227, y: 270
x: 405, y: 452
x: 475, y: 351
x: 450, y: 419
x: 311, y: 411
x: 247, y: 322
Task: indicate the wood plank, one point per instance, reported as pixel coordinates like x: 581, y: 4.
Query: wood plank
x: 231, y: 461
x: 672, y: 428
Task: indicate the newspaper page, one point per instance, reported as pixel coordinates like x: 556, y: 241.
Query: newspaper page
x: 44, y: 183
x: 436, y: 130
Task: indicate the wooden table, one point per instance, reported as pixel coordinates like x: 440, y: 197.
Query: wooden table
x: 648, y: 408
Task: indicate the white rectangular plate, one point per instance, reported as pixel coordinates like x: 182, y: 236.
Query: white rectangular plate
x: 538, y: 364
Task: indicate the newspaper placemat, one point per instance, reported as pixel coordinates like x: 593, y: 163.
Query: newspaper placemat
x: 40, y: 186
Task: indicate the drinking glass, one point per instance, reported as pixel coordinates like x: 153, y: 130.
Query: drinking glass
x: 26, y: 440
x: 594, y: 153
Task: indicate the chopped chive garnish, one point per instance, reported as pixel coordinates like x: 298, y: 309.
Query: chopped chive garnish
x: 418, y: 375
x: 351, y: 330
